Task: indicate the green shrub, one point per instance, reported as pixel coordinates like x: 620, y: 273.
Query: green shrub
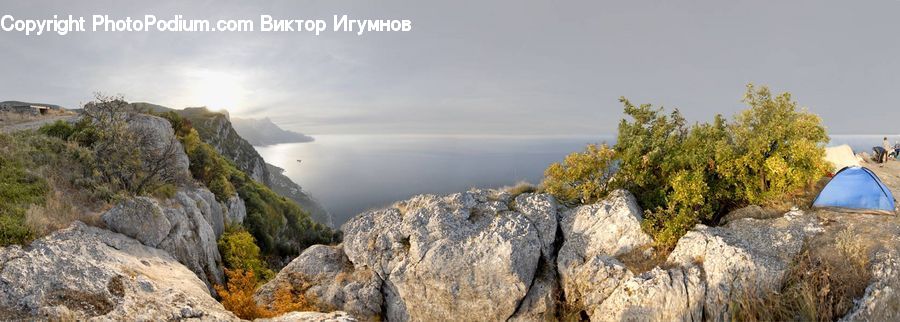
x: 19, y: 189
x: 239, y: 251
x: 60, y: 129
x: 777, y: 148
x: 583, y: 177
x: 683, y: 175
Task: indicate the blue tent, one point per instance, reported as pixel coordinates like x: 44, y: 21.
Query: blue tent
x: 856, y: 188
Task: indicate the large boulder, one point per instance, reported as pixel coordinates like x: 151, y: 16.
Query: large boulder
x: 156, y: 135
x: 186, y: 226
x: 82, y: 273
x: 324, y: 275
x: 594, y: 235
x: 446, y: 257
x: 610, y: 227
x: 746, y: 255
x: 676, y: 294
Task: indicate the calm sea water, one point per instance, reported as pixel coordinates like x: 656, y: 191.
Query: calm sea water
x: 349, y: 174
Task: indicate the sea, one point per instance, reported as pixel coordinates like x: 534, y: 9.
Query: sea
x: 349, y: 174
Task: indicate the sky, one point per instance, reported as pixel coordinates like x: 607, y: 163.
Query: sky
x: 476, y: 67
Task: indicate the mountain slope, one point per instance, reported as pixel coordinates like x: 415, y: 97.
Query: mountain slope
x: 216, y: 129
x: 262, y: 132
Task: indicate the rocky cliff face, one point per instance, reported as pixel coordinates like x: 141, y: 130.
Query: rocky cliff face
x: 186, y: 226
x: 217, y: 130
x: 83, y: 273
x: 486, y: 255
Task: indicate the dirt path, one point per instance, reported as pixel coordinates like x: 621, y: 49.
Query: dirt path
x: 34, y: 124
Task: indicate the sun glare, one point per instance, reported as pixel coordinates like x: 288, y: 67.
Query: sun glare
x: 215, y: 90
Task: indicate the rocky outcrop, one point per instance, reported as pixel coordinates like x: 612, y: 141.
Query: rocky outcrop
x: 187, y: 226
x: 439, y: 258
x: 215, y: 128
x: 675, y: 294
x: 881, y: 302
x: 157, y: 137
x: 336, y: 316
x: 594, y: 234
x: 747, y: 255
x: 237, y: 210
x: 324, y: 273
x: 82, y: 273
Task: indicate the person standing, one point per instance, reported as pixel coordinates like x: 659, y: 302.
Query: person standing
x: 887, y: 148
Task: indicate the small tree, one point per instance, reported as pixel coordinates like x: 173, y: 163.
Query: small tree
x: 778, y: 148
x: 128, y: 151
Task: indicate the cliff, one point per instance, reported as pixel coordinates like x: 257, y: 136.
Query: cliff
x: 217, y: 130
x: 262, y: 132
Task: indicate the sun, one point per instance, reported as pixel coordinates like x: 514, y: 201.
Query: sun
x: 217, y: 90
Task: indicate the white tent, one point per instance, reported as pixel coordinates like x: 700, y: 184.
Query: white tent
x: 841, y: 156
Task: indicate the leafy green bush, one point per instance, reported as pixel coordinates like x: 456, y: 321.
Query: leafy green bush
x: 777, y: 148
x: 582, y: 177
x: 239, y: 251
x: 683, y: 175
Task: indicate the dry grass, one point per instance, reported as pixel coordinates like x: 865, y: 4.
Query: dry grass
x: 58, y: 212
x: 643, y: 259
x: 520, y: 188
x: 821, y: 285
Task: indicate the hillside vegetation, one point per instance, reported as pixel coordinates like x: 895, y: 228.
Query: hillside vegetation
x: 686, y: 174
x: 280, y: 226
x: 74, y: 171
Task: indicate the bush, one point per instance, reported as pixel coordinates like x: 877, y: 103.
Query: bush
x: 239, y: 251
x: 19, y: 189
x: 777, y: 148
x: 683, y: 175
x: 237, y: 295
x: 582, y: 177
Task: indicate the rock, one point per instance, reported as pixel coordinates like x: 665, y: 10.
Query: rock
x: 541, y: 301
x: 588, y: 282
x: 186, y: 226
x: 82, y: 272
x: 323, y: 274
x: 237, y: 211
x: 745, y: 255
x: 336, y: 316
x: 881, y: 302
x: 158, y: 135
x: 658, y: 295
x: 540, y: 209
x: 140, y: 218
x: 443, y: 258
x: 594, y: 234
x: 610, y: 227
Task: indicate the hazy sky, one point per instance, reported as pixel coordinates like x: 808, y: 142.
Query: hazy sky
x: 477, y: 67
